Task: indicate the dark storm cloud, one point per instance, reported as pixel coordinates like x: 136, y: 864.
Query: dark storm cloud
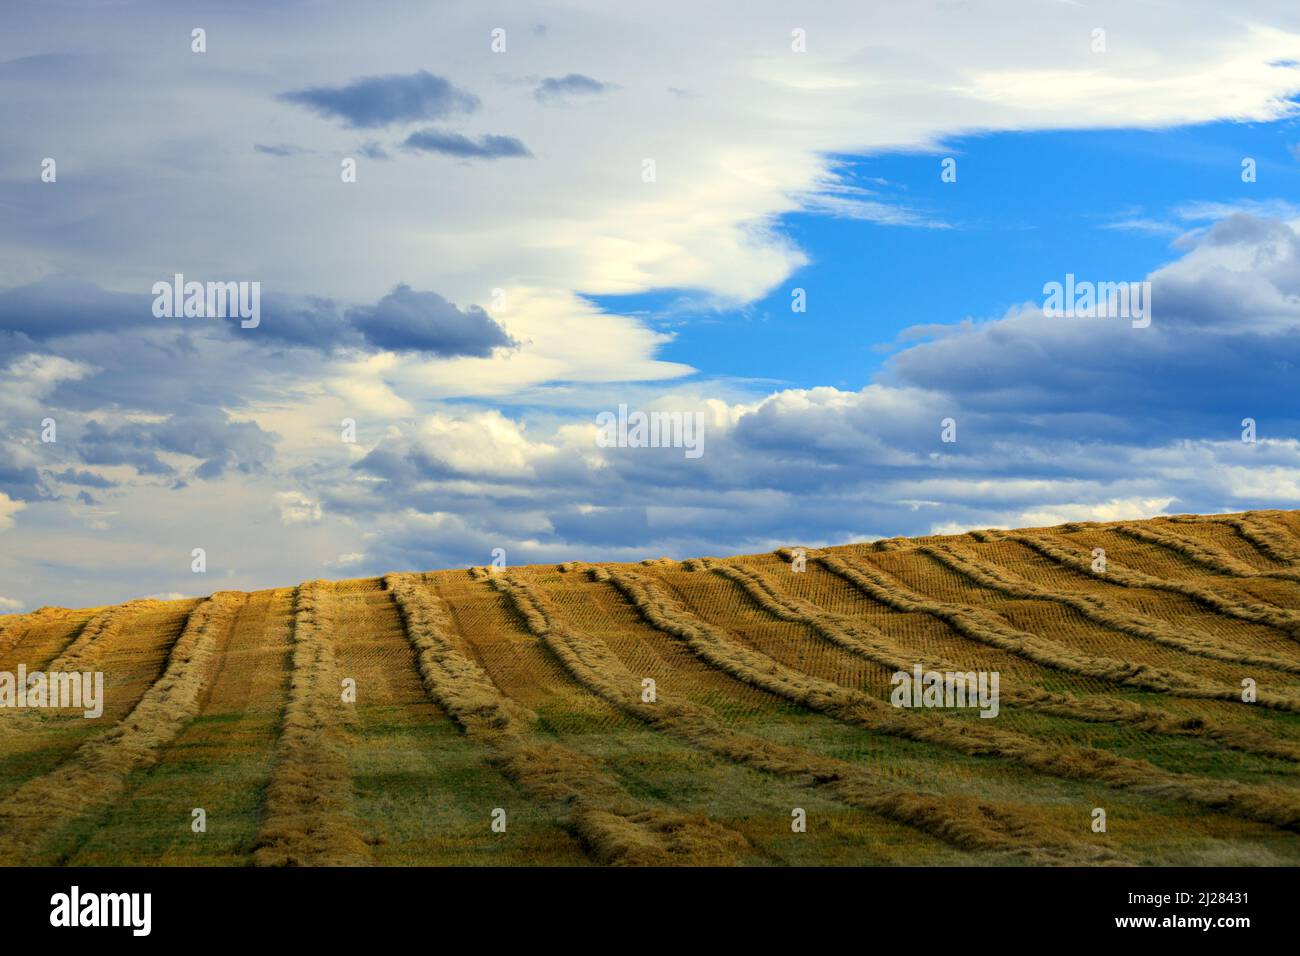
x: 376, y: 101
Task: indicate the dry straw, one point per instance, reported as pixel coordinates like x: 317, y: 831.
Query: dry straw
x: 307, y: 819
x: 862, y: 639
x: 1106, y: 613
x: 1256, y: 529
x: 985, y: 627
x: 615, y: 828
x: 1265, y: 804
x: 960, y: 821
x: 96, y: 774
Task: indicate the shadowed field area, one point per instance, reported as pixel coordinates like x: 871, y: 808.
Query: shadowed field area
x: 716, y: 711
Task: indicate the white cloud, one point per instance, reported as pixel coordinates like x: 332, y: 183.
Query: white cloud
x: 9, y: 508
x: 297, y: 508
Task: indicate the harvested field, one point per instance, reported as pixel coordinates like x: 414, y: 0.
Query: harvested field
x: 756, y: 710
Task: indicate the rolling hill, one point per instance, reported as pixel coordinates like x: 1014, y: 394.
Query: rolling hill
x: 736, y: 711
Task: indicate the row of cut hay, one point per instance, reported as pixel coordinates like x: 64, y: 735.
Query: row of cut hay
x: 1264, y: 804
x: 97, y: 636
x: 860, y: 638
x: 1067, y: 555
x: 307, y: 819
x: 1264, y: 536
x: 1198, y: 552
x: 80, y: 655
x: 960, y: 821
x: 616, y: 829
x: 14, y: 627
x: 985, y: 627
x: 96, y: 774
x: 1103, y: 612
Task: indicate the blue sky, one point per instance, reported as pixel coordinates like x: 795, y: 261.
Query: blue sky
x: 458, y: 249
x: 1027, y: 207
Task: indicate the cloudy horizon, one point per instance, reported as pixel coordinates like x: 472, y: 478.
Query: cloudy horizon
x: 827, y: 234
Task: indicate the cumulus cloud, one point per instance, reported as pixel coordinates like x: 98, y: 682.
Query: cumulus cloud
x: 1221, y: 347
x: 375, y: 101
x: 56, y: 306
x: 8, y: 508
x: 297, y: 508
x: 482, y: 444
x: 462, y: 147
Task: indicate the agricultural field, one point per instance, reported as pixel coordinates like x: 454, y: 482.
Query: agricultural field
x: 739, y: 711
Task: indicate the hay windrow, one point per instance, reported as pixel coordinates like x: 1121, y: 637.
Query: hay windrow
x: 615, y: 828
x: 1266, y: 538
x: 1264, y: 804
x: 962, y: 822
x: 860, y: 638
x: 82, y: 654
x: 1197, y: 552
x: 1103, y: 612
x: 307, y: 817
x: 1066, y: 555
x: 14, y: 627
x: 96, y: 774
x: 97, y: 636
x: 985, y: 627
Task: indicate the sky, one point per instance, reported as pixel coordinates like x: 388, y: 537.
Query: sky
x: 477, y: 228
